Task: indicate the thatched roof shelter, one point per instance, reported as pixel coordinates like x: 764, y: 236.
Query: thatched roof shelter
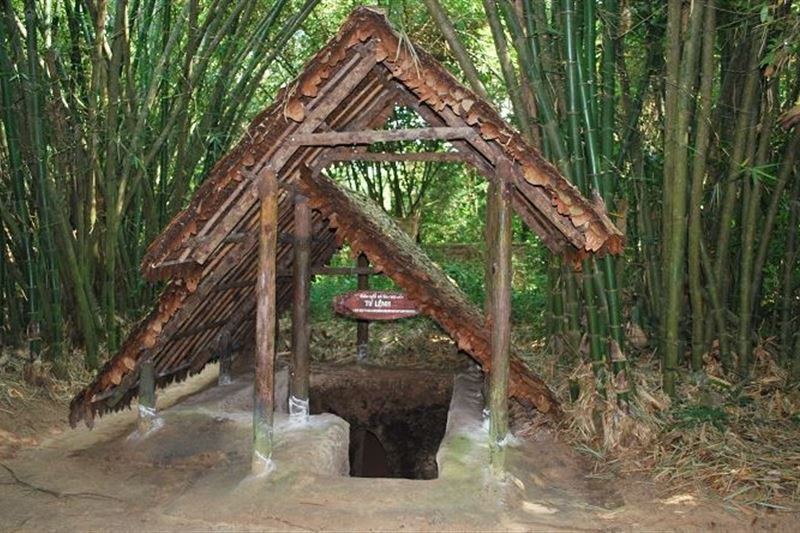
x: 332, y: 112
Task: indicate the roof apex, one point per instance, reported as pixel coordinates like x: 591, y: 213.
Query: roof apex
x: 566, y: 220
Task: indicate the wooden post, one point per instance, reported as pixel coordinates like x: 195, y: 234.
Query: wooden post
x: 147, y: 397
x: 225, y: 364
x: 500, y: 329
x: 298, y: 401
x: 490, y: 231
x: 362, y: 328
x: 263, y: 405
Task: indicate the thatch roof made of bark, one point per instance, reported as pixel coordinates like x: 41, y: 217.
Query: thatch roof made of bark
x: 208, y: 252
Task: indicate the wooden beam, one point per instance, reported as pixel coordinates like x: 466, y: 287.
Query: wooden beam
x: 436, y: 157
x: 470, y: 148
x: 301, y: 359
x: 337, y: 138
x: 362, y: 327
x: 264, y: 404
x: 500, y: 326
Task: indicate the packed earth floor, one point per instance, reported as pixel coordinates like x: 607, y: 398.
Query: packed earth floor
x: 193, y: 472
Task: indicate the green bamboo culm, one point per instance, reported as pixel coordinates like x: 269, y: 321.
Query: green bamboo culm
x: 52, y: 288
x: 788, y: 323
x: 574, y: 109
x: 608, y: 190
x: 699, y: 164
x: 676, y: 152
x: 529, y: 57
x: 21, y: 214
x: 730, y: 191
x: 128, y: 104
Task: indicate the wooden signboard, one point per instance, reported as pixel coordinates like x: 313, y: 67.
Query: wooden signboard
x: 374, y: 305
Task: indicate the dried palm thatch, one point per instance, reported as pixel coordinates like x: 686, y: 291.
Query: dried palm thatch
x: 741, y: 442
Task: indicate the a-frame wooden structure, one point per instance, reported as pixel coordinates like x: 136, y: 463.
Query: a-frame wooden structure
x: 219, y: 261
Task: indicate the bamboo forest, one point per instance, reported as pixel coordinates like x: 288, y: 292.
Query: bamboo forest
x: 557, y: 241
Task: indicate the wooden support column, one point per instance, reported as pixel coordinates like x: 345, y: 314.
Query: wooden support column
x: 490, y: 231
x: 500, y: 328
x: 362, y: 328
x: 148, y: 415
x: 225, y: 359
x: 263, y: 405
x: 301, y: 359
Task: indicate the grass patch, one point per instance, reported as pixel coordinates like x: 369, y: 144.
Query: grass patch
x: 466, y: 270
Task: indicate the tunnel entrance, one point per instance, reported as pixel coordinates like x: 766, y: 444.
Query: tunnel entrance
x: 397, y: 417
x: 368, y: 457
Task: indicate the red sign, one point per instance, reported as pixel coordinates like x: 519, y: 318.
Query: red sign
x: 374, y: 305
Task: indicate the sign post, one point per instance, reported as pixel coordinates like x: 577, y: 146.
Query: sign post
x: 362, y: 328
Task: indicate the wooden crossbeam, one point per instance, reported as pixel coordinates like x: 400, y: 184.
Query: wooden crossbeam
x: 337, y: 138
x: 436, y: 157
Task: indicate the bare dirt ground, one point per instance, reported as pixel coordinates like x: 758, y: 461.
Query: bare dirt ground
x: 55, y: 478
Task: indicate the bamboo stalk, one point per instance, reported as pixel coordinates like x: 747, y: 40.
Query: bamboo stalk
x: 529, y: 57
x: 787, y: 164
x: 574, y: 112
x: 39, y: 170
x: 510, y: 77
x: 702, y: 138
x: 750, y: 216
x: 737, y: 160
x: 465, y: 62
x: 788, y: 326
x: 675, y: 183
x: 16, y: 176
